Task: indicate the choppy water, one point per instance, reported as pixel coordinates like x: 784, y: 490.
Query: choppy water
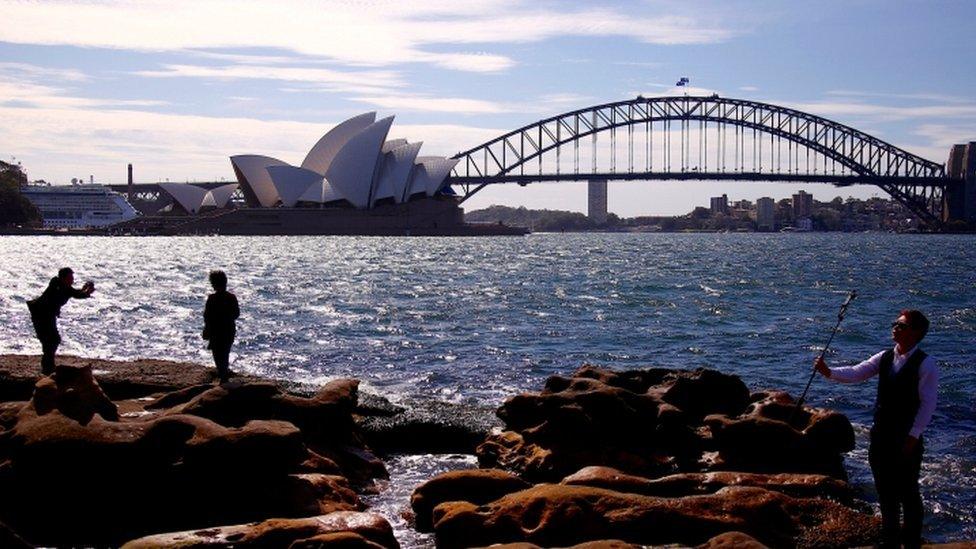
x: 479, y: 319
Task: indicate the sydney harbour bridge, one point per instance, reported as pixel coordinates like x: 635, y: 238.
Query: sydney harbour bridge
x: 710, y: 138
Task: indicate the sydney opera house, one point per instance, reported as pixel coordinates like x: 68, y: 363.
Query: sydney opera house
x: 353, y: 181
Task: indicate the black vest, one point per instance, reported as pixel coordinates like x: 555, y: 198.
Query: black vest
x: 898, y: 400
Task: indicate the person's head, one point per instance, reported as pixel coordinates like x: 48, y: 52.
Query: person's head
x: 67, y: 276
x: 218, y: 280
x: 909, y: 329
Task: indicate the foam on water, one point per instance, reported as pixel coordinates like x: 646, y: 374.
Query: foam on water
x: 479, y: 319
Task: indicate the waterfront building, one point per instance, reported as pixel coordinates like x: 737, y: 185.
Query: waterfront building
x: 354, y: 181
x: 193, y: 199
x: 597, y: 200
x: 744, y: 205
x: 720, y: 205
x: 353, y: 165
x: 766, y: 214
x: 802, y: 205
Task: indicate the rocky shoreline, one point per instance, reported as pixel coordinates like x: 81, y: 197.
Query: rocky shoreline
x: 152, y: 453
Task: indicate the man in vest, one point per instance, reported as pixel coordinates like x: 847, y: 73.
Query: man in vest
x: 908, y: 382
x: 46, y: 309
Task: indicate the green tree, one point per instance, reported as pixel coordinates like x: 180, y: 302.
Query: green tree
x: 15, y: 209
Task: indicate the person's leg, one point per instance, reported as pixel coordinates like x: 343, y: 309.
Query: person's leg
x: 885, y: 481
x: 911, y: 498
x: 221, y: 354
x: 47, y: 334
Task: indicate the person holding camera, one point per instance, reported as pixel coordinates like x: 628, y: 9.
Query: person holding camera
x: 46, y: 309
x: 908, y: 384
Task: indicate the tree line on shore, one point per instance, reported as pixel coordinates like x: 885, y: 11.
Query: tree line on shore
x: 851, y: 214
x: 15, y: 209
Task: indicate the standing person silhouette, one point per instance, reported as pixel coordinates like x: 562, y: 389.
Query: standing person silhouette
x: 219, y: 327
x: 908, y: 381
x: 46, y: 309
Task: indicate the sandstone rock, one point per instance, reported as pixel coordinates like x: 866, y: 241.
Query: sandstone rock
x: 374, y: 405
x: 657, y: 422
x: 181, y: 396
x: 120, y: 379
x: 559, y: 515
x: 429, y: 427
x: 106, y: 482
x: 328, y: 413
x: 476, y: 486
x: 600, y: 544
x: 9, y: 412
x: 335, y: 540
x: 278, y: 533
x: 732, y: 540
x: 325, y: 420
x: 761, y: 439
x: 687, y: 484
x: 537, y: 462
x: 73, y: 391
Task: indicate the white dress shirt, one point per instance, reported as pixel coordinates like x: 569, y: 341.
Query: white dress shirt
x: 928, y: 382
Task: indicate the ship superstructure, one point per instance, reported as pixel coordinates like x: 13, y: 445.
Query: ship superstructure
x: 79, y: 206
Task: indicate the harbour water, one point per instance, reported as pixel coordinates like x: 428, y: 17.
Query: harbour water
x: 480, y: 319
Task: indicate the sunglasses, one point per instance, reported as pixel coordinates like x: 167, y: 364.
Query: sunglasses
x: 900, y: 325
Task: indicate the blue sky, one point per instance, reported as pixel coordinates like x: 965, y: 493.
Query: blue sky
x: 177, y: 87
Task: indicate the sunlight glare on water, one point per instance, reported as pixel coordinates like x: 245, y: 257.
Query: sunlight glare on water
x: 479, y: 319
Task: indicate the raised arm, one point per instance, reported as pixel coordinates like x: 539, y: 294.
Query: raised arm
x: 851, y: 374
x: 82, y: 293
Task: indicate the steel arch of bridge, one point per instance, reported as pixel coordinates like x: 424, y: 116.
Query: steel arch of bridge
x: 913, y: 181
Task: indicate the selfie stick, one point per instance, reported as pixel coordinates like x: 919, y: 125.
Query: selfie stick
x: 840, y: 316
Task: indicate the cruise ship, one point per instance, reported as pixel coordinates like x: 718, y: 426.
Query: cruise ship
x: 79, y: 206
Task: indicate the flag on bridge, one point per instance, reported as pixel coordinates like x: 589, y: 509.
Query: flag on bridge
x: 683, y: 81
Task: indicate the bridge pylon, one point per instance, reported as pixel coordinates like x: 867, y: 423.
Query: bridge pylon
x: 960, y: 199
x: 596, y: 203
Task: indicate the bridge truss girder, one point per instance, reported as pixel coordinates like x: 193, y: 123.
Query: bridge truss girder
x: 913, y: 181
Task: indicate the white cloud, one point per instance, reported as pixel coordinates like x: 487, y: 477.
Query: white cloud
x: 41, y: 96
x: 333, y: 79
x: 371, y: 33
x: 644, y: 64
x: 886, y: 113
x: 433, y: 104
x: 943, y: 136
x: 471, y: 62
x: 748, y: 88
x: 33, y: 72
x: 57, y: 143
x: 937, y: 97
x: 566, y: 99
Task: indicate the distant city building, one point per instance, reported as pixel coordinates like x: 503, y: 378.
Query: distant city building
x: 720, y: 205
x: 742, y: 205
x: 804, y: 224
x: 802, y: 205
x: 597, y: 201
x: 766, y: 214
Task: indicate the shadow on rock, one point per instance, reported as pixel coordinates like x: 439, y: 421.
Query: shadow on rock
x: 226, y: 455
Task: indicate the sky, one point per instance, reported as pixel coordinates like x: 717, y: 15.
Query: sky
x: 176, y: 87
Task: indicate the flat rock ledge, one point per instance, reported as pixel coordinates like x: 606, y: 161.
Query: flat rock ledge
x: 339, y: 529
x: 197, y: 458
